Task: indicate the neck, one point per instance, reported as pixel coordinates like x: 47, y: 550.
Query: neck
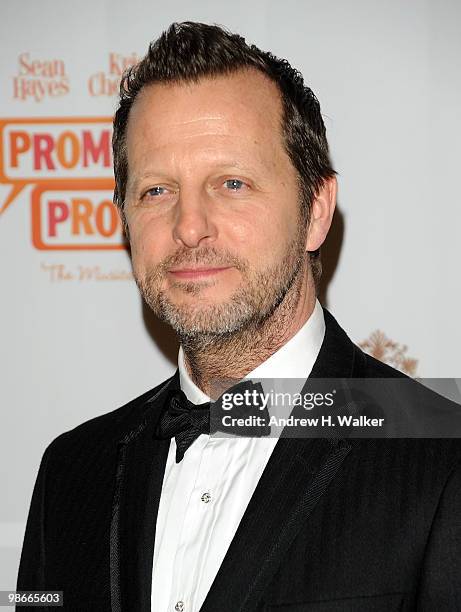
x: 209, y: 359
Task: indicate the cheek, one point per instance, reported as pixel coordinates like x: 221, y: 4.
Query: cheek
x: 248, y: 240
x: 148, y: 245
x: 262, y: 237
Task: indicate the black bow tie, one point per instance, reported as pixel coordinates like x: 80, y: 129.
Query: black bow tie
x: 186, y: 421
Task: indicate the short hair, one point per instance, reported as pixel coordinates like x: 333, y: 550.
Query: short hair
x: 190, y: 51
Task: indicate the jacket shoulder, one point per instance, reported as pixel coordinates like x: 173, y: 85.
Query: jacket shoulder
x: 369, y: 367
x: 106, y: 428
x: 339, y: 357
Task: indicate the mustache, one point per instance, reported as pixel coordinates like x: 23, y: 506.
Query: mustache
x: 205, y: 256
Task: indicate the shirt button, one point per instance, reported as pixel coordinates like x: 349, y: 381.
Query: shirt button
x: 179, y: 607
x: 206, y: 497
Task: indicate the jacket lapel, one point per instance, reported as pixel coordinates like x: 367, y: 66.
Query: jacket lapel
x: 295, y: 478
x: 139, y: 477
x: 297, y: 474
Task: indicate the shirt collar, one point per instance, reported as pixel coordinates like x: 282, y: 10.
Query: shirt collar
x: 295, y: 359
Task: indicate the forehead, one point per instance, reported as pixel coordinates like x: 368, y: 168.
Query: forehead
x: 245, y: 103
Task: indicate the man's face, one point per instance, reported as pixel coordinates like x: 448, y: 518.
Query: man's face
x: 212, y: 203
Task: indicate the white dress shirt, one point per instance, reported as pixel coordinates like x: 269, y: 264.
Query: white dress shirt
x: 205, y: 495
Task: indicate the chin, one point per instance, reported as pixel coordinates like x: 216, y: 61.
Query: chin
x: 199, y: 298
x: 215, y: 319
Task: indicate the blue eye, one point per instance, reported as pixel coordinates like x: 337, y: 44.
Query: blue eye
x: 156, y: 191
x: 234, y: 184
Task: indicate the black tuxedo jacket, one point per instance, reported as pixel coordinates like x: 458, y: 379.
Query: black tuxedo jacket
x: 333, y: 525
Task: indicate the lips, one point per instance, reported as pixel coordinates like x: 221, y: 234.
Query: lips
x: 197, y: 272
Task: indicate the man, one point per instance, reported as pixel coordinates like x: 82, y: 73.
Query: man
x: 226, y: 192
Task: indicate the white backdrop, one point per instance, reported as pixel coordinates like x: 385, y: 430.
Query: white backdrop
x: 75, y: 339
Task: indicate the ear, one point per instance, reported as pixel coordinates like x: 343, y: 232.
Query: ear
x: 321, y: 216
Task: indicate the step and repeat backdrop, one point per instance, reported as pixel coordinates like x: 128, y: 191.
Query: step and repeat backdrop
x: 76, y: 340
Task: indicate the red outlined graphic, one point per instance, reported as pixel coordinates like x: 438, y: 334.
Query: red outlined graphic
x: 70, y: 216
x: 68, y: 161
x: 53, y: 151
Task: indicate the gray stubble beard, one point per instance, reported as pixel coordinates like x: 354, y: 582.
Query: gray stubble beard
x: 251, y: 306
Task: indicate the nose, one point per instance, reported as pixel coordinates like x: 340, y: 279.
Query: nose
x: 193, y: 225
